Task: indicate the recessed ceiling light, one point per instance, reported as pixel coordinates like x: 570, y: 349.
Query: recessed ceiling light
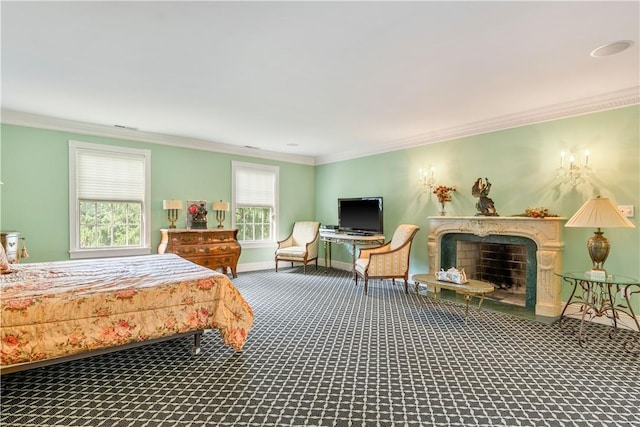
x: 612, y: 48
x: 292, y: 144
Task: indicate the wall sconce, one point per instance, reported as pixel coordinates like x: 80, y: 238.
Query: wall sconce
x: 574, y: 173
x: 172, y: 207
x: 220, y: 208
x: 426, y: 180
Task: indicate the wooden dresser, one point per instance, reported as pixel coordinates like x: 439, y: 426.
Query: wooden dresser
x: 10, y: 243
x: 213, y: 248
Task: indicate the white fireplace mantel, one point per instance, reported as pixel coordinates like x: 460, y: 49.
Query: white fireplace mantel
x: 545, y: 232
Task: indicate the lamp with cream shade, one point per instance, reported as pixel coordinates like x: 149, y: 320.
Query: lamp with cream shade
x: 220, y: 208
x: 172, y: 207
x: 599, y: 212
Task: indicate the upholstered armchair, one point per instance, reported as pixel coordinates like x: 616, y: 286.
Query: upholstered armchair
x: 389, y: 261
x: 301, y: 245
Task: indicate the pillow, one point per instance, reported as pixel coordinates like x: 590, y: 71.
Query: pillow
x: 4, y: 262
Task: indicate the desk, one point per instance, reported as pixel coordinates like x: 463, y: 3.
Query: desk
x: 329, y: 237
x: 598, y: 299
x: 469, y: 290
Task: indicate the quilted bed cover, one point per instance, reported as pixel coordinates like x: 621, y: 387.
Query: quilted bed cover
x: 62, y: 308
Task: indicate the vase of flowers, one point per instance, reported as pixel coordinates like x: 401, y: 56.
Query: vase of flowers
x: 444, y: 194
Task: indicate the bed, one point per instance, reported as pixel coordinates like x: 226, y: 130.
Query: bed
x: 58, y: 311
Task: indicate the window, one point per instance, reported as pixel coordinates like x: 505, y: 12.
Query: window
x: 254, y: 202
x: 109, y: 195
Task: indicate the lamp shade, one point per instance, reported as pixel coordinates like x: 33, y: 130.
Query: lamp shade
x: 172, y: 204
x: 220, y: 206
x: 599, y: 212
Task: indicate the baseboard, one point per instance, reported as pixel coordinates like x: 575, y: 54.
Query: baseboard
x: 269, y: 265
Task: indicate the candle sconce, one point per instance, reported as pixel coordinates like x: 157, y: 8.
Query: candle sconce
x: 426, y: 180
x: 571, y: 171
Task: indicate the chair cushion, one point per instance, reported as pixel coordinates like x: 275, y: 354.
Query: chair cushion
x: 361, y: 264
x: 291, y: 252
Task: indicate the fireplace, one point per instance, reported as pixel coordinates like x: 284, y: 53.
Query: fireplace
x: 507, y: 262
x: 518, y: 255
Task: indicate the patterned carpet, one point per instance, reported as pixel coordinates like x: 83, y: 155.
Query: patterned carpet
x: 323, y: 354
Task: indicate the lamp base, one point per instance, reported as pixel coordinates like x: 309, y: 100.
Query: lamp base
x: 600, y: 275
x: 598, y: 247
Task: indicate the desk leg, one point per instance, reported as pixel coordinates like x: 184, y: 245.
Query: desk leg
x: 353, y: 260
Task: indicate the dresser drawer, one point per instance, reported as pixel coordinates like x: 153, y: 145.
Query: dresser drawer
x: 186, y: 239
x: 221, y: 236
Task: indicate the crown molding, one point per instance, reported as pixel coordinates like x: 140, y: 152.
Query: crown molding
x: 19, y: 118
x: 603, y: 102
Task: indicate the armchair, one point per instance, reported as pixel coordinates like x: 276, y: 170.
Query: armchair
x: 390, y: 260
x: 301, y: 245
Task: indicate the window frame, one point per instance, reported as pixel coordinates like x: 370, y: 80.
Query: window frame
x: 75, y: 251
x: 275, y: 170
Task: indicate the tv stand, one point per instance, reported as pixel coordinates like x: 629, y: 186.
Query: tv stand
x: 351, y: 241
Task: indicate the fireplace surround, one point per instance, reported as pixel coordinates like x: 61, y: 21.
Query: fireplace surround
x: 542, y: 237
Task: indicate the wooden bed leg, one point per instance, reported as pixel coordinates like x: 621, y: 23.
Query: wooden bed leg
x: 197, y: 339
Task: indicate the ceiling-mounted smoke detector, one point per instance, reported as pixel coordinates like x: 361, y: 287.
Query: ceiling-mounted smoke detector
x: 612, y: 48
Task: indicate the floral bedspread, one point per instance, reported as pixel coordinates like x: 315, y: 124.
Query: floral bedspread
x: 60, y: 308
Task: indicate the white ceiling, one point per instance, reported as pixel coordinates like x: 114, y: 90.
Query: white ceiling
x: 316, y: 81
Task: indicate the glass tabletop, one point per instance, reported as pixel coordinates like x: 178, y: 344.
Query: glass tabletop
x: 615, y: 279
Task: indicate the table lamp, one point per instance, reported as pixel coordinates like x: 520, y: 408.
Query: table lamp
x: 598, y: 212
x: 172, y: 207
x: 220, y: 208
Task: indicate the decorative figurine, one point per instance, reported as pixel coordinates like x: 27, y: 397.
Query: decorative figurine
x: 485, y: 205
x: 198, y: 215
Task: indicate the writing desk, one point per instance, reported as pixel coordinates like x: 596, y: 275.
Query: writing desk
x: 350, y: 240
x: 598, y: 298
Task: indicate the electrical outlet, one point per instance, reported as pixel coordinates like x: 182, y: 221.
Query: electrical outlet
x: 626, y: 210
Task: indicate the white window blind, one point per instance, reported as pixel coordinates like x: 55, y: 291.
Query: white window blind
x: 109, y: 200
x: 255, y: 186
x: 254, y: 202
x: 110, y: 176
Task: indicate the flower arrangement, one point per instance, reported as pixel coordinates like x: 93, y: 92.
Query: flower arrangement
x: 538, y: 213
x: 444, y: 193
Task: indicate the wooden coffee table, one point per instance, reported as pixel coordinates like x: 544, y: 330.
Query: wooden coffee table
x: 470, y: 289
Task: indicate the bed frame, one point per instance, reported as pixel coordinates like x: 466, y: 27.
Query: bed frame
x: 197, y: 340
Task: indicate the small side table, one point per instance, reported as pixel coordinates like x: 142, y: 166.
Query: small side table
x: 469, y: 290
x: 598, y: 299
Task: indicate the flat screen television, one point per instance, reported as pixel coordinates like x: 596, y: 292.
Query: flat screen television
x: 361, y: 214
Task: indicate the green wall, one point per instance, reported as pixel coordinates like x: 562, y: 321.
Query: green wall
x: 521, y: 163
x: 35, y: 172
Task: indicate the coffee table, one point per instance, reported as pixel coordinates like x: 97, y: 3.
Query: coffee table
x: 470, y: 289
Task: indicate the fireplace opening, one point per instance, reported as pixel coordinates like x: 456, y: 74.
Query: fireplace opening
x: 507, y: 262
